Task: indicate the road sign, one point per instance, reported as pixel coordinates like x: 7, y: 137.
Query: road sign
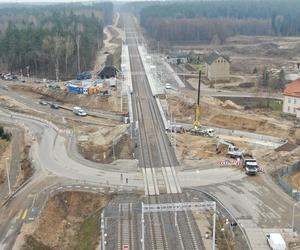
x: 125, y: 247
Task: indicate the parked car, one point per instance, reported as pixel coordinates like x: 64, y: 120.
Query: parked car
x: 168, y: 86
x: 43, y: 102
x: 84, y: 76
x: 79, y: 111
x: 276, y: 242
x: 54, y: 106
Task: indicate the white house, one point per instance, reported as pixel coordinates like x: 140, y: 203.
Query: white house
x: 291, y: 102
x: 217, y: 67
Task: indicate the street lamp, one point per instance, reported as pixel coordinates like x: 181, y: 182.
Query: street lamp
x: 293, y: 218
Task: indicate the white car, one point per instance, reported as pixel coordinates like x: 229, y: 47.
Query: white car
x: 168, y: 86
x: 81, y: 112
x: 276, y: 242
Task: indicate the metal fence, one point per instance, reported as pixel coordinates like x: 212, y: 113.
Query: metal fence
x: 283, y: 182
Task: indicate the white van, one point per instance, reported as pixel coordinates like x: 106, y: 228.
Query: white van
x: 168, y: 86
x: 276, y: 242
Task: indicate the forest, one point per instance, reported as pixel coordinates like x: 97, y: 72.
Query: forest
x: 52, y: 41
x: 216, y: 20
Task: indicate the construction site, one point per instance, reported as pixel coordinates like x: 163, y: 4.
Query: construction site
x: 205, y: 149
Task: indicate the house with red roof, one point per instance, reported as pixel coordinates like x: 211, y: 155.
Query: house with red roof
x: 291, y: 103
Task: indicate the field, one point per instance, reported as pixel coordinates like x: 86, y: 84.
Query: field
x: 69, y: 221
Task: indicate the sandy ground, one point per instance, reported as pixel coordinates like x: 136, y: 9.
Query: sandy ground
x: 228, y: 115
x: 248, y: 52
x: 191, y: 147
x: 104, y: 144
x: 91, y: 102
x: 294, y: 180
x: 59, y: 225
x: 110, y: 44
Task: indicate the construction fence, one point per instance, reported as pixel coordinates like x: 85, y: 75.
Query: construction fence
x: 284, y: 183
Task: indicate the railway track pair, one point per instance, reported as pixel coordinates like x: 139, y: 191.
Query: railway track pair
x: 156, y: 156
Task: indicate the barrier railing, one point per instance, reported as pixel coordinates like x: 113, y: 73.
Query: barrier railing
x: 281, y: 178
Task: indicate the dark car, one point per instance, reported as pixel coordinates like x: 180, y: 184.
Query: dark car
x: 84, y: 76
x: 54, y: 106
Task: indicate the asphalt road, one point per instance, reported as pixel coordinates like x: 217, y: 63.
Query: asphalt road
x: 257, y: 199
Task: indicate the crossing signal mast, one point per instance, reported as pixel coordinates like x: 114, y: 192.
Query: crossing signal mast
x: 196, y: 123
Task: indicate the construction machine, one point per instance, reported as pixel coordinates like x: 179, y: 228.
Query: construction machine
x: 197, y: 129
x: 232, y: 151
x: 196, y: 123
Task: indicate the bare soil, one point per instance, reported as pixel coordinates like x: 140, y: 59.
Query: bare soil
x: 191, y: 147
x: 25, y: 165
x: 248, y: 52
x: 98, y: 145
x: 63, y: 223
x: 294, y: 180
x: 229, y: 115
x: 111, y: 103
x: 112, y: 44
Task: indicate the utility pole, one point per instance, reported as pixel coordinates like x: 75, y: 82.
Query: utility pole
x: 293, y: 217
x: 214, y: 229
x: 114, y: 154
x: 143, y: 229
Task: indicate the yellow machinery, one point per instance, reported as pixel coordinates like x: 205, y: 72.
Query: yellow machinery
x: 196, y: 123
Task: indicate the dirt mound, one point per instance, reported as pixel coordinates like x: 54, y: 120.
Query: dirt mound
x: 297, y: 136
x: 215, y: 113
x: 233, y: 121
x: 106, y: 153
x: 61, y: 221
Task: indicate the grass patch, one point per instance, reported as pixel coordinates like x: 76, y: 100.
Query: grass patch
x: 88, y: 235
x: 32, y: 244
x: 276, y: 105
x: 199, y: 67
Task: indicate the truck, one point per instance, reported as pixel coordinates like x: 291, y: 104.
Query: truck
x: 210, y: 132
x: 276, y: 242
x: 79, y: 111
x: 175, y: 128
x: 251, y: 167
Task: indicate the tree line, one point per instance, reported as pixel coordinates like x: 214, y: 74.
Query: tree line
x: 269, y: 17
x: 56, y: 41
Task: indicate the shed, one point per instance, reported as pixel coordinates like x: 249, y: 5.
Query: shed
x: 108, y: 72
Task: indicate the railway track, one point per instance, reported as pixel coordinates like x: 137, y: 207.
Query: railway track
x: 126, y: 227
x: 156, y: 156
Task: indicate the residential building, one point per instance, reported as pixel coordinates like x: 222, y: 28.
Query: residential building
x: 177, y: 58
x: 291, y: 100
x: 217, y: 67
